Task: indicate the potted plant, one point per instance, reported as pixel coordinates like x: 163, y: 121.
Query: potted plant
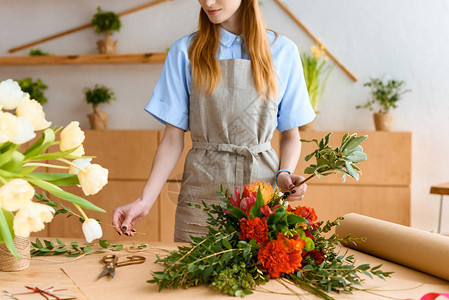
x: 34, y: 89
x: 316, y: 73
x: 96, y: 96
x: 106, y: 22
x: 385, y: 95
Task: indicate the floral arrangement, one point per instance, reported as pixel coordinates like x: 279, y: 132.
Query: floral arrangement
x: 384, y: 95
x: 255, y: 235
x: 19, y: 215
x: 316, y: 72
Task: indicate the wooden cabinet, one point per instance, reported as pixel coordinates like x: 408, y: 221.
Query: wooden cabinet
x: 383, y: 190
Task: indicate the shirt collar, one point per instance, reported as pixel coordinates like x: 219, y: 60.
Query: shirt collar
x: 226, y: 37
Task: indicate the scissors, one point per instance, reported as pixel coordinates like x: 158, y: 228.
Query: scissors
x: 111, y: 263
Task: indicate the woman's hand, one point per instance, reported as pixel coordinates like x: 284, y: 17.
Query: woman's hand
x: 124, y: 217
x: 286, y: 182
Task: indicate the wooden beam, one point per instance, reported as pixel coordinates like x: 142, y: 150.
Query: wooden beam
x: 142, y: 58
x: 311, y: 35
x: 76, y: 29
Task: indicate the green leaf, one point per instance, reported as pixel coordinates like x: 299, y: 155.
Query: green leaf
x: 274, y: 218
x: 207, y: 272
x: 7, y: 156
x: 294, y: 219
x: 310, y: 245
x: 237, y: 212
x: 7, y: 232
x: 15, y: 163
x: 226, y: 244
x: 58, y: 179
x: 58, y: 192
x: 117, y: 248
x: 87, y: 249
x: 351, y: 171
x: 255, y: 210
x: 246, y: 251
x: 357, y: 156
x: 60, y: 242
x: 52, y: 156
x: 354, y: 142
x: 49, y: 244
x: 41, y: 145
x: 104, y: 243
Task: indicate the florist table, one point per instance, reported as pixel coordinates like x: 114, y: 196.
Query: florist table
x: 80, y: 277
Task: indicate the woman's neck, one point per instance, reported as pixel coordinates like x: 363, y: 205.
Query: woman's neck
x: 234, y: 23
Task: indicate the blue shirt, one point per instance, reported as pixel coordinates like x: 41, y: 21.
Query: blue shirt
x: 170, y: 100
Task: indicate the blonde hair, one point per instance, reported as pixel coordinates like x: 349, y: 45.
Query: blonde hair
x: 206, y: 73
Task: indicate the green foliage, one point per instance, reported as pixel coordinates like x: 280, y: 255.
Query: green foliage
x: 316, y: 72
x: 99, y: 94
x: 35, y: 89
x: 106, y: 21
x: 73, y: 249
x: 38, y: 52
x: 385, y: 95
x: 342, y: 159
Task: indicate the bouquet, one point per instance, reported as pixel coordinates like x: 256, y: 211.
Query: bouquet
x: 255, y: 235
x: 20, y: 119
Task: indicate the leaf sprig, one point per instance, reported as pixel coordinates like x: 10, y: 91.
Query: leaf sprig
x: 73, y: 249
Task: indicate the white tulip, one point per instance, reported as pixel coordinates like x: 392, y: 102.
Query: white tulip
x: 16, y: 194
x: 33, y: 111
x: 93, y: 179
x: 92, y: 230
x: 25, y: 131
x: 31, y: 218
x: 82, y: 163
x: 8, y: 126
x: 11, y: 94
x: 72, y: 137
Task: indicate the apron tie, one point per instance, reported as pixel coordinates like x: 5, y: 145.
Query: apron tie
x: 241, y: 151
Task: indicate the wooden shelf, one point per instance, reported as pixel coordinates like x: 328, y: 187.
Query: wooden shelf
x: 93, y: 59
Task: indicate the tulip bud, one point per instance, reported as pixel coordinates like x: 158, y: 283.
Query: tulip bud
x: 33, y: 111
x: 16, y: 194
x: 93, y: 179
x: 72, y: 137
x: 11, y: 94
x: 92, y: 230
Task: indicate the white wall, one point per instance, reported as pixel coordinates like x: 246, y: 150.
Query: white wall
x: 402, y: 39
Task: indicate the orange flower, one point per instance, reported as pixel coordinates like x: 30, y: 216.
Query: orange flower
x: 254, y: 229
x: 281, y: 256
x: 306, y: 212
x: 265, y: 187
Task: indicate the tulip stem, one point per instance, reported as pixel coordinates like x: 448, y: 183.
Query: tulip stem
x: 82, y: 212
x: 44, y: 165
x: 71, y: 164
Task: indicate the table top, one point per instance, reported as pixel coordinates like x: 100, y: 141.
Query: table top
x: 440, y: 189
x: 79, y: 276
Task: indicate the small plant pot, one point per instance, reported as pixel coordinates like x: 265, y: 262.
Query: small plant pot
x: 98, y: 120
x: 308, y: 127
x: 383, y: 122
x: 8, y: 263
x: 107, y: 45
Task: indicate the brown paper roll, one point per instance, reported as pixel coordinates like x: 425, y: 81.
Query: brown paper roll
x: 413, y: 248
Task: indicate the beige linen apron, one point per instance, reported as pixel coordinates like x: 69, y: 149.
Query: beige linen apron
x: 231, y: 132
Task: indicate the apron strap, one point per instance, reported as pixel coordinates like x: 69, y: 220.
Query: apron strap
x: 241, y: 151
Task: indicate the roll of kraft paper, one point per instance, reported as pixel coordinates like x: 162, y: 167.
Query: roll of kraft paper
x: 413, y: 248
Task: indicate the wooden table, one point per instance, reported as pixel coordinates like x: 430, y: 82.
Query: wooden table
x: 80, y: 277
x: 440, y: 189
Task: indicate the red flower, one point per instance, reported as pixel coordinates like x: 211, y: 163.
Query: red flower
x: 246, y: 202
x: 267, y: 210
x: 316, y: 255
x: 254, y: 229
x: 306, y: 212
x: 281, y: 256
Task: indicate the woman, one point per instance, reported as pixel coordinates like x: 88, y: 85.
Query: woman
x: 231, y: 83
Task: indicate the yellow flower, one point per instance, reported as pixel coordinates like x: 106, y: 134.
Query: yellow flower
x: 16, y: 194
x: 317, y: 51
x: 25, y: 131
x: 31, y: 218
x: 11, y: 94
x: 265, y: 187
x: 92, y: 230
x: 72, y: 137
x: 93, y: 179
x: 33, y: 111
x: 8, y: 126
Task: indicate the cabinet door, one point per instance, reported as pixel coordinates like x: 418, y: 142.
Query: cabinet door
x: 114, y: 194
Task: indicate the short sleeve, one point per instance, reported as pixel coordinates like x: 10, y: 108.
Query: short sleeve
x: 294, y: 107
x: 170, y: 100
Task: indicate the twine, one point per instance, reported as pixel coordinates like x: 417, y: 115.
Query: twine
x: 8, y: 263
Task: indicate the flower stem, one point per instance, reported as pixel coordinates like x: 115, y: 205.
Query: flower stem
x: 71, y: 164
x: 304, y: 181
x: 82, y: 212
x: 3, y: 180
x: 44, y: 165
